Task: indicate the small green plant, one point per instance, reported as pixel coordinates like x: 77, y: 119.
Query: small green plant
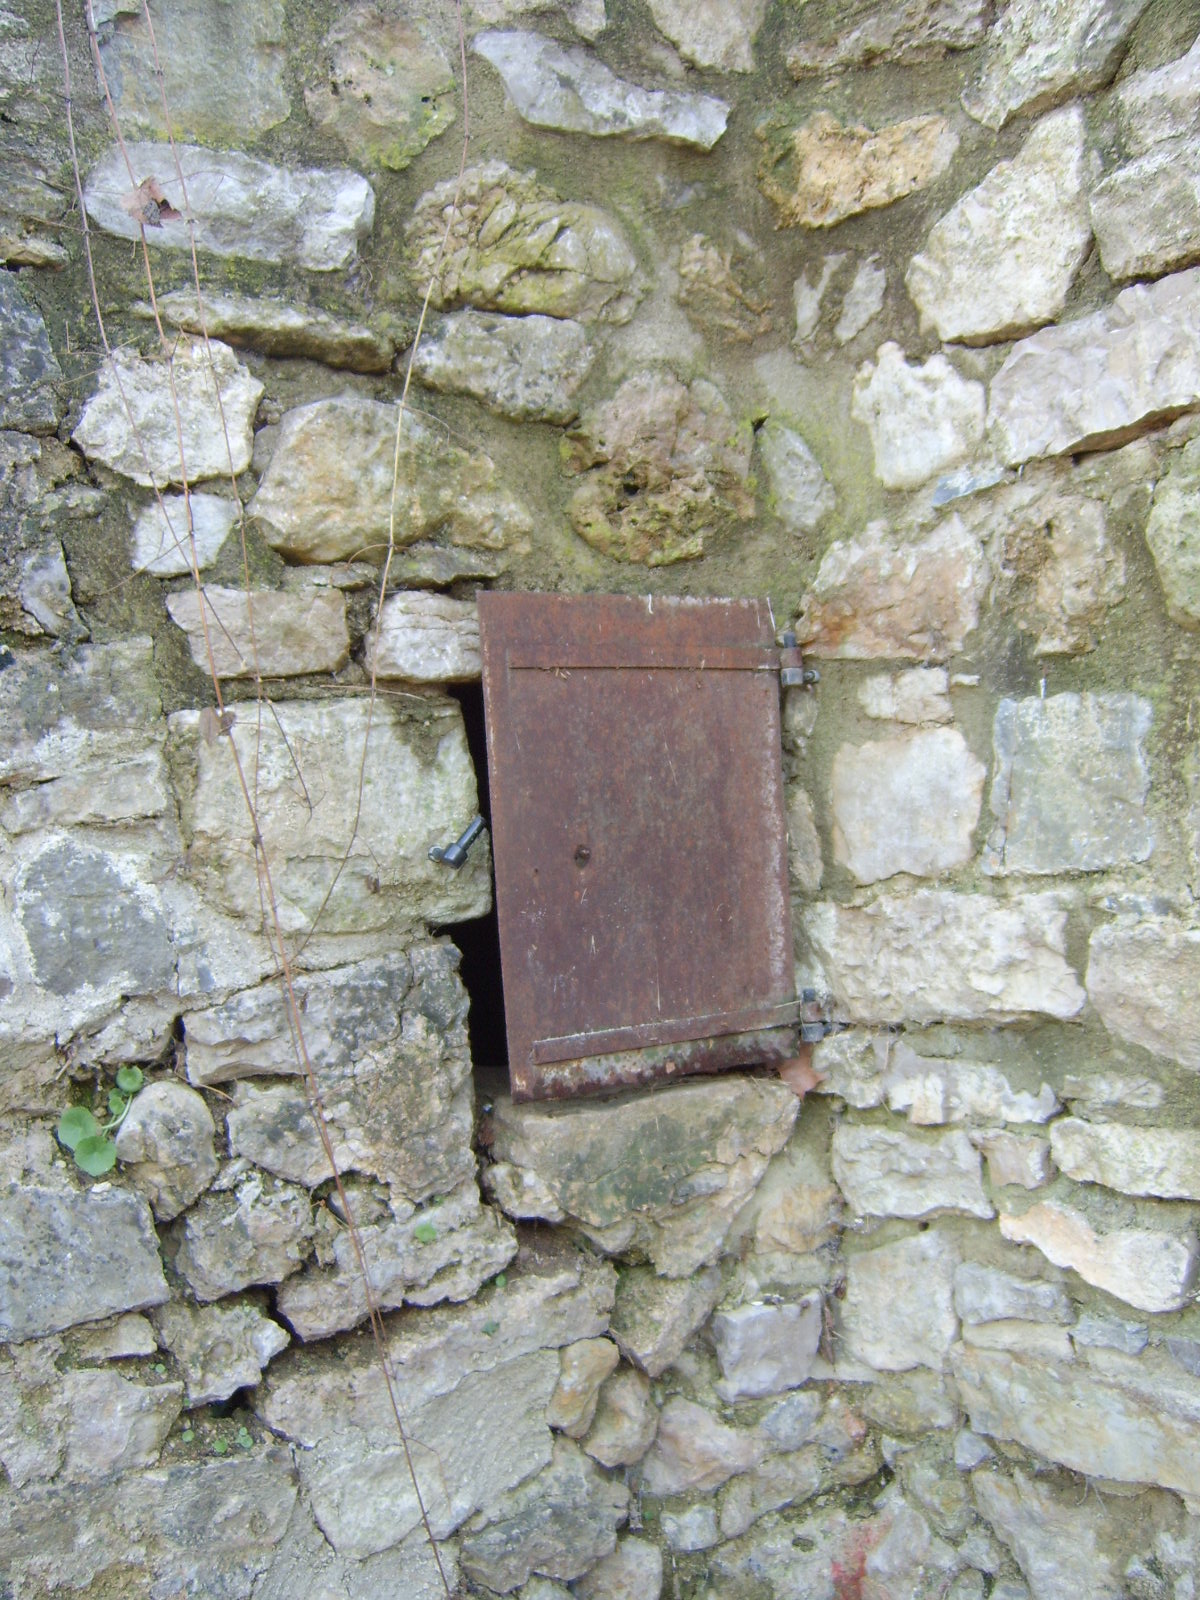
x: 87, y: 1138
x: 425, y: 1232
x: 243, y: 1438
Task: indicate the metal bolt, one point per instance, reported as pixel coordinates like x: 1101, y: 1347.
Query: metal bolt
x: 453, y: 855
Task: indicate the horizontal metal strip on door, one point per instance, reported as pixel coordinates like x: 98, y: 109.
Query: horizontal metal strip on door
x: 678, y: 1030
x: 618, y: 657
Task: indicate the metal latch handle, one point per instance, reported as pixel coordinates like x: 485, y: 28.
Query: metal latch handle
x: 453, y: 855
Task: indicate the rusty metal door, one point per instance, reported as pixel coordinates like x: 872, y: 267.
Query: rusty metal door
x: 639, y: 838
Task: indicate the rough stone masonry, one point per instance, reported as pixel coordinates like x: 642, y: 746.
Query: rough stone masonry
x: 887, y: 310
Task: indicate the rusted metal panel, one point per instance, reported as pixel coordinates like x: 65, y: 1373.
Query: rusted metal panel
x: 639, y: 837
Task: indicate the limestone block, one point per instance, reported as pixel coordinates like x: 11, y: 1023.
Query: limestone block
x: 1094, y: 1330
x: 528, y: 368
x: 883, y: 595
x: 334, y: 492
x: 1158, y: 104
x: 660, y: 1176
x: 865, y: 31
x: 280, y: 328
x: 29, y: 370
x: 148, y: 449
x: 1013, y: 1158
x: 224, y: 72
x: 128, y: 1335
x: 1144, y: 980
x: 712, y: 33
x: 693, y: 1529
x: 802, y: 496
x: 1150, y: 1161
x: 160, y: 542
x: 626, y: 1421
x: 1103, y: 378
x: 696, y: 1451
x: 68, y: 1257
x: 263, y: 632
x: 990, y: 268
x: 723, y: 290
x: 258, y: 1231
x: 804, y: 843
x: 634, y: 1571
x: 388, y: 87
x: 219, y: 1348
x: 653, y: 1318
x: 935, y: 955
x: 1130, y: 1418
x: 764, y: 1348
x: 1146, y: 213
x: 1150, y: 1268
x: 568, y: 89
x: 1037, y: 55
x: 1070, y: 783
x: 922, y: 418
x: 1103, y: 1092
x: 167, y: 1140
x: 302, y: 216
x: 35, y: 589
x: 863, y: 300
x: 820, y: 173
x: 515, y: 246
x: 933, y: 1089
x: 887, y: 1172
x: 898, y: 1312
x: 1173, y: 534
x: 558, y: 1524
x: 918, y: 694
x: 418, y: 786
x: 985, y: 1294
x: 583, y: 1368
x: 425, y: 638
x: 905, y: 804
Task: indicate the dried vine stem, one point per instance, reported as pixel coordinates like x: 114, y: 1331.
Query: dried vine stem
x: 272, y: 926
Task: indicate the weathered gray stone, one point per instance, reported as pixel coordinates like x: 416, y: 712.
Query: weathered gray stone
x: 881, y: 595
x: 660, y: 1176
x: 331, y: 494
x: 696, y: 1451
x: 989, y: 268
x: 918, y: 694
x: 418, y: 782
x: 266, y: 633
x: 933, y: 955
x: 905, y: 804
x: 1038, y: 1525
x: 258, y: 1231
x: 128, y: 1335
x: 1037, y: 55
x: 1152, y: 1161
x: 807, y: 297
x: 1103, y: 378
x: 130, y: 422
x: 820, y: 173
x: 309, y: 217
x: 663, y: 466
x: 568, y: 89
x: 167, y: 1141
x: 712, y: 33
x: 626, y: 1421
x: 388, y: 88
x: 693, y: 1529
x: 921, y: 418
x: 219, y: 1348
x: 280, y: 328
x: 985, y: 1294
x: 68, y: 1257
x: 1130, y: 1418
x: 899, y: 1307
x: 634, y: 1571
x: 1110, y: 1333
x: 160, y: 541
x: 583, y: 1368
x: 515, y: 246
x: 1014, y: 1158
x: 654, y: 1317
x: 444, y: 1252
x: 805, y: 866
x: 801, y: 495
x: 28, y: 368
x: 1173, y: 534
x: 1150, y: 1268
x: 558, y: 1524
x: 932, y: 1090
x: 38, y: 497
x: 864, y: 31
x: 528, y: 368
x: 1144, y: 980
x: 1070, y: 783
x: 425, y: 638
x: 863, y: 300
x: 886, y: 1172
x: 764, y: 1348
x: 1158, y: 104
x: 723, y: 290
x: 223, y: 69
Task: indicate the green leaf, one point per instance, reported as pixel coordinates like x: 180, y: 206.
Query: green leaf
x: 244, y: 1439
x: 500, y: 1280
x: 160, y: 1367
x: 188, y: 1435
x: 220, y: 1446
x: 425, y: 1232
x: 491, y: 1327
x: 130, y: 1079
x: 96, y: 1155
x: 116, y: 1102
x: 76, y: 1123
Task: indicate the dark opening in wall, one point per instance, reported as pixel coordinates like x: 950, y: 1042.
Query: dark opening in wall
x: 479, y: 940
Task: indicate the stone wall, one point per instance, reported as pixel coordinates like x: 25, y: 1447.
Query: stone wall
x: 888, y: 310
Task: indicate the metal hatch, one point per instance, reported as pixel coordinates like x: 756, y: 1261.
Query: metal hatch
x: 639, y: 838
